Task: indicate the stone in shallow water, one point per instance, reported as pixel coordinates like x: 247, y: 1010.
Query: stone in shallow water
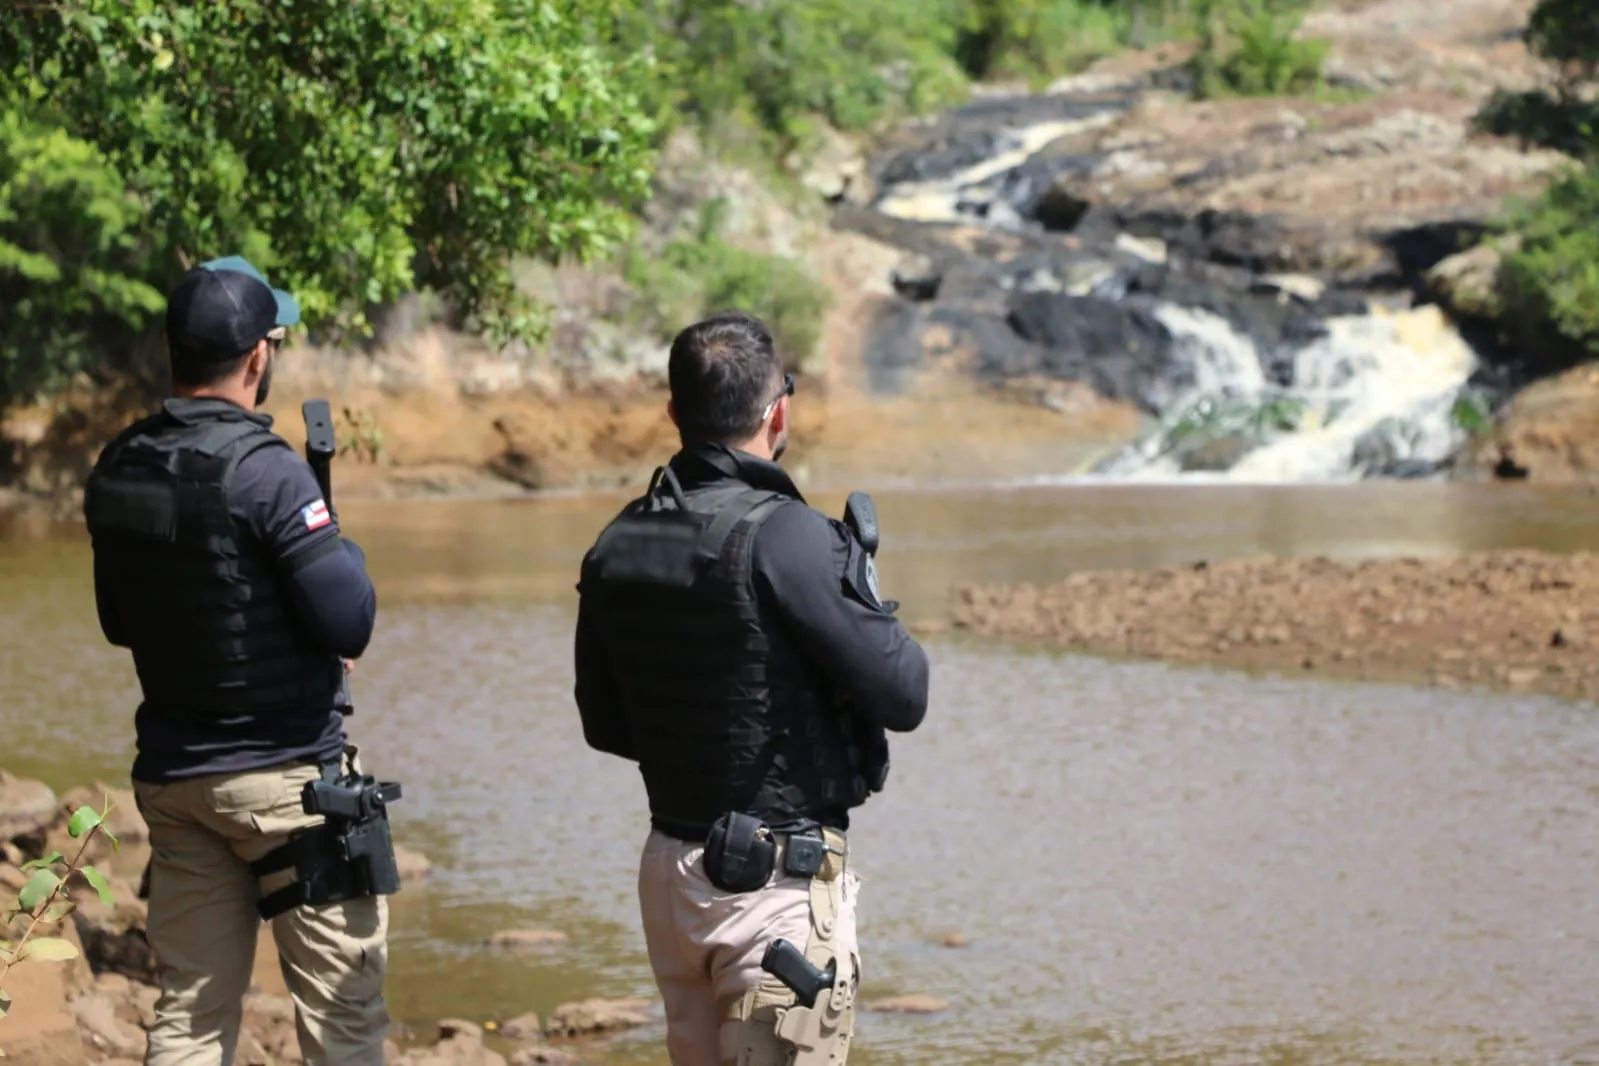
x: 915, y: 1003
x: 526, y: 939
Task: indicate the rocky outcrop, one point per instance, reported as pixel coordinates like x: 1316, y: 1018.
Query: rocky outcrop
x: 1549, y: 433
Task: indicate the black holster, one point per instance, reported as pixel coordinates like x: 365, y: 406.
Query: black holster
x: 349, y: 856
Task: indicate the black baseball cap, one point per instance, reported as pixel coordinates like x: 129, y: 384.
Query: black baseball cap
x: 223, y: 308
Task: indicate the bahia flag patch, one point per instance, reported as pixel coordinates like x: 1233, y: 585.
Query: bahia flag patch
x: 316, y: 515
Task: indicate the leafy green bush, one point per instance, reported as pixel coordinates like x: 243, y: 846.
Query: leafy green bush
x: 692, y: 278
x: 788, y: 63
x: 1567, y: 31
x: 1249, y: 48
x: 1549, y: 287
x: 70, y: 255
x: 356, y: 151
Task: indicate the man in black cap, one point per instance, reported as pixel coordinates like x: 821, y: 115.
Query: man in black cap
x: 218, y: 563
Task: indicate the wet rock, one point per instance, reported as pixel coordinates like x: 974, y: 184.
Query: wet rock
x: 27, y: 808
x: 947, y: 156
x: 525, y: 939
x: 915, y: 1003
x: 1302, y: 287
x: 919, y: 287
x: 1061, y: 209
x: 523, y: 1027
x: 591, y: 1016
x: 1123, y: 350
x: 1215, y: 454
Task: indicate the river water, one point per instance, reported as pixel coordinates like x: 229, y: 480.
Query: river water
x: 1152, y: 865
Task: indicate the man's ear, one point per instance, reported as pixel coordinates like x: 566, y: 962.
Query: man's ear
x: 256, y: 366
x: 671, y: 411
x: 780, y: 415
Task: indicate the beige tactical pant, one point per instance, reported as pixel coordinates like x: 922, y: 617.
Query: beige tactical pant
x: 706, y: 946
x: 203, y: 925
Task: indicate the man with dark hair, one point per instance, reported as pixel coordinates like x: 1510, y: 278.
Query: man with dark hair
x: 218, y: 563
x: 730, y: 641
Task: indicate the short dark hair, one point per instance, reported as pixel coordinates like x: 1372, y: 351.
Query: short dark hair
x: 198, y: 368
x: 723, y: 372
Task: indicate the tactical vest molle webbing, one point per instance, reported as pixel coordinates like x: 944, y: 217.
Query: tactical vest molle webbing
x: 210, y: 631
x: 723, y: 716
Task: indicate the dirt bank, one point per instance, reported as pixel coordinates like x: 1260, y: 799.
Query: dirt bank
x: 1522, y: 621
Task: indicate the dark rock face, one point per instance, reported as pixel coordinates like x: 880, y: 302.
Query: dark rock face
x: 1119, y: 348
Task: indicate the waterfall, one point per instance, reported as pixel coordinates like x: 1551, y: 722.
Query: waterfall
x: 1375, y: 395
x: 1332, y: 395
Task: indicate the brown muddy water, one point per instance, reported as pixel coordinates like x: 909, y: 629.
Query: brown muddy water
x: 1152, y: 865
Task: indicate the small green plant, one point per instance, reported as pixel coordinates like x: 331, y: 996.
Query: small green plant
x: 1470, y: 413
x: 1250, y: 48
x: 362, y: 437
x: 43, y: 901
x: 1549, y: 286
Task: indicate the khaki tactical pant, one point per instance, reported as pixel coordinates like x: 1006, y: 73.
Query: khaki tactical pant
x: 706, y: 946
x: 203, y: 925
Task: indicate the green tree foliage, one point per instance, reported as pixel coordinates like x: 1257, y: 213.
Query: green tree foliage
x: 1549, y: 286
x: 357, y: 151
x: 1549, y: 282
x: 1251, y: 48
x: 1567, y: 32
x: 788, y: 63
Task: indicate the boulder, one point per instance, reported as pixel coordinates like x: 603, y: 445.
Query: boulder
x: 27, y: 808
x: 591, y: 1016
x: 1467, y: 285
x: 114, y: 936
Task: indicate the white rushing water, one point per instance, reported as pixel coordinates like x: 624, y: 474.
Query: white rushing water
x: 1375, y: 395
x: 1378, y: 387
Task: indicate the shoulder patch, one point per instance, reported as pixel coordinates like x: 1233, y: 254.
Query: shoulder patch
x: 316, y: 514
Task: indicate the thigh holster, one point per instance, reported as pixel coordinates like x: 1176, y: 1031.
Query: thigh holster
x: 349, y: 856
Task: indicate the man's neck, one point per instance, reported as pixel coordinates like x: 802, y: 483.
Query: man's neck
x: 211, y: 392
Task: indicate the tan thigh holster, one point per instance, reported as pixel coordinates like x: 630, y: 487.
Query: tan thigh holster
x: 773, y: 1029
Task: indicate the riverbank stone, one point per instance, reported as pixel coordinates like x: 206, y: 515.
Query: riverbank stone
x: 593, y: 1016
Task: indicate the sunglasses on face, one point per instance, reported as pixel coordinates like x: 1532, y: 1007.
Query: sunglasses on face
x: 788, y: 390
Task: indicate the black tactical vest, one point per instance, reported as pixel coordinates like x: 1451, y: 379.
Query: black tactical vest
x: 210, y: 629
x: 725, y: 714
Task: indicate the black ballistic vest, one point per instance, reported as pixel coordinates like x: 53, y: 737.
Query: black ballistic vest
x: 207, y: 619
x: 725, y: 714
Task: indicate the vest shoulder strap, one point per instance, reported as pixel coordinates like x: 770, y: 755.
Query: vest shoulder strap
x: 749, y: 506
